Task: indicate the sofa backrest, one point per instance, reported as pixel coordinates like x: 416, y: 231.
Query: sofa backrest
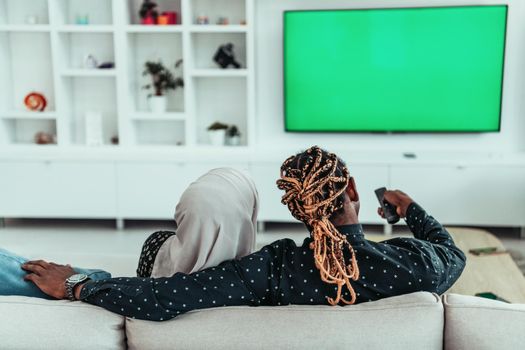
x: 31, y: 323
x: 477, y: 323
x: 413, y: 321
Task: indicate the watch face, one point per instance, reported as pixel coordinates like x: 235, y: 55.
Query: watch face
x: 77, y: 278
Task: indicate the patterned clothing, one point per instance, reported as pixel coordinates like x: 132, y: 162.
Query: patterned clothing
x: 282, y: 273
x: 149, y: 252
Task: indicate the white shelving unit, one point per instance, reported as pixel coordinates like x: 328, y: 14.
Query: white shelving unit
x: 48, y: 56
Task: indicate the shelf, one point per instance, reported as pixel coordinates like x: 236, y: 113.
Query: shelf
x: 88, y: 28
x: 27, y: 115
x: 51, y: 57
x: 149, y: 116
x: 233, y: 10
x: 133, y: 7
x: 139, y: 28
x: 213, y: 28
x: 221, y: 73
x: 75, y: 47
x: 160, y: 132
x: 89, y: 73
x: 96, y: 12
x: 25, y: 28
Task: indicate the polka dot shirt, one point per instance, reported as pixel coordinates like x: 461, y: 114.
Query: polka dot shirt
x: 282, y: 273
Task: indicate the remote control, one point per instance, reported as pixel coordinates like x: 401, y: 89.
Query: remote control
x: 389, y: 210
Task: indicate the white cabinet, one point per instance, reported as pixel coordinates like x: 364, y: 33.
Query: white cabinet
x: 57, y: 189
x: 466, y: 195
x: 477, y: 194
x: 151, y: 190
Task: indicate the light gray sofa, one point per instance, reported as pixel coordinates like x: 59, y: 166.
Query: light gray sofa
x: 414, y: 321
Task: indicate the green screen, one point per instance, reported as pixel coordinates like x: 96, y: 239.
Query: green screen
x: 411, y: 69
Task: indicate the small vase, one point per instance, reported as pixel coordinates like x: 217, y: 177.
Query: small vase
x: 158, y: 104
x: 217, y: 137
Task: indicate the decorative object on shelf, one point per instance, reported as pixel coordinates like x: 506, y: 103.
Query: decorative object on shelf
x: 157, y: 104
x: 35, y: 101
x: 202, y: 19
x: 114, y: 140
x: 148, y: 12
x: 90, y: 62
x: 162, y: 80
x: 31, y: 19
x: 82, y: 19
x: 167, y: 18
x: 93, y: 129
x: 225, y: 57
x: 44, y: 138
x: 106, y: 65
x: 163, y: 20
x: 223, y: 21
x: 243, y: 22
x: 233, y: 136
x: 217, y: 133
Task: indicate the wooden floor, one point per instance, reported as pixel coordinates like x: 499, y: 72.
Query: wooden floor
x: 497, y: 274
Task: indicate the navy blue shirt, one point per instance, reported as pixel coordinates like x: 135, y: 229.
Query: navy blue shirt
x: 282, y: 273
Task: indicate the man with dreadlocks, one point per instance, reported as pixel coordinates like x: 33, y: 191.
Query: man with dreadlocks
x: 336, y: 265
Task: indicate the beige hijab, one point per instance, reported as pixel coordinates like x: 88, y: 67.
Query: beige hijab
x: 216, y: 221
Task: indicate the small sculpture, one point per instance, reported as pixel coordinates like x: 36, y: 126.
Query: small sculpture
x: 44, y: 138
x: 35, y: 102
x: 223, y: 21
x: 90, y: 62
x: 225, y: 57
x: 202, y: 19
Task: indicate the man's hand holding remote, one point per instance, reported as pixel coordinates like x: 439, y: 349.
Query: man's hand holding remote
x: 398, y: 199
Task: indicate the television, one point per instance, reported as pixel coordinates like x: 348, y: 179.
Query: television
x: 430, y: 69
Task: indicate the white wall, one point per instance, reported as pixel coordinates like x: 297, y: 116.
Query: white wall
x: 269, y: 118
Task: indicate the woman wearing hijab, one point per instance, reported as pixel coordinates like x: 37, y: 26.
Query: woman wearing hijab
x: 216, y: 220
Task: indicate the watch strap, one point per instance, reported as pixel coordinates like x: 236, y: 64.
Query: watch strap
x: 71, y: 284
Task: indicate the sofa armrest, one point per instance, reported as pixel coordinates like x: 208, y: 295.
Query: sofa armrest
x: 31, y: 323
x: 478, y: 323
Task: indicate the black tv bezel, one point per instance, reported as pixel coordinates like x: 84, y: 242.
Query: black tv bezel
x: 364, y: 131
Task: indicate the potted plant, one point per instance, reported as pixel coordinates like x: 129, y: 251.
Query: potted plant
x: 162, y: 80
x: 148, y: 12
x: 233, y: 136
x: 217, y: 133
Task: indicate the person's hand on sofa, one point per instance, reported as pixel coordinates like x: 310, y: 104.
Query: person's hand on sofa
x: 399, y: 199
x: 50, y: 278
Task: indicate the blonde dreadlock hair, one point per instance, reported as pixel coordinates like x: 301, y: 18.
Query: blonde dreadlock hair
x: 314, y: 183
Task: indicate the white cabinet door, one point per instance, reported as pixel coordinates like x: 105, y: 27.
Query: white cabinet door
x: 367, y: 177
x: 472, y: 195
x: 151, y: 190
x: 270, y: 208
x: 57, y: 189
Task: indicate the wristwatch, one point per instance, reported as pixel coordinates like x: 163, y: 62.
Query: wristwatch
x: 71, y: 282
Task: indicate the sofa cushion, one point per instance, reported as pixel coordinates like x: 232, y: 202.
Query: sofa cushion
x: 31, y: 323
x: 413, y: 321
x: 478, y: 323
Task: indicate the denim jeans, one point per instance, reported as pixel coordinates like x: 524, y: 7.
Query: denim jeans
x: 12, y: 277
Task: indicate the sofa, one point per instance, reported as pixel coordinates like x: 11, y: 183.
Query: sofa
x: 413, y: 321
